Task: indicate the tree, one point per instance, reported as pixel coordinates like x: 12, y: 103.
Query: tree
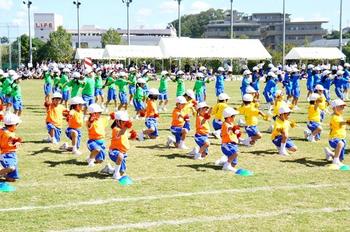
x: 194, y: 25
x: 110, y: 37
x: 4, y: 40
x: 37, y: 45
x: 59, y: 47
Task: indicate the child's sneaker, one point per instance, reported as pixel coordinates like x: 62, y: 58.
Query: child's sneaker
x: 329, y: 154
x: 246, y: 142
x: 54, y: 141
x: 194, y: 151
x: 108, y: 169
x: 141, y: 136
x: 241, y: 122
x: 47, y: 140
x: 217, y: 134
x: 76, y: 152
x: 269, y: 130
x: 91, y: 162
x: 198, y: 156
x: 307, y: 132
x: 116, y: 176
x: 221, y: 161
x: 228, y: 167
x: 311, y: 138
x: 64, y: 147
x: 170, y: 141
x: 165, y: 109
x: 283, y: 152
x: 182, y: 146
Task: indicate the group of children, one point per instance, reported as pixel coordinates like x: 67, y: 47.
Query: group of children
x: 63, y: 102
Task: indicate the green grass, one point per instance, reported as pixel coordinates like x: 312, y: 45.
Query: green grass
x: 50, y: 177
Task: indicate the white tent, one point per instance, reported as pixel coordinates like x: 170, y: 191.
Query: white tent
x: 132, y: 51
x: 249, y: 49
x: 93, y: 53
x: 315, y: 53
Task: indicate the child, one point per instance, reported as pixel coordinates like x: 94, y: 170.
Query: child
x: 177, y: 125
x: 163, y: 91
x: 76, y: 83
x: 9, y: 144
x: 88, y: 91
x: 219, y: 84
x: 326, y: 83
x: 97, y: 132
x: 323, y: 102
x: 339, y: 83
x: 217, y: 112
x: 270, y: 90
x: 139, y: 98
x: 199, y: 88
x: 251, y: 114
x: 230, y: 137
x: 112, y: 94
x: 202, y: 131
x: 119, y: 145
x: 48, y: 83
x: 180, y: 88
x: 151, y: 115
x: 280, y: 133
x: 314, y: 117
x: 256, y: 80
x: 189, y: 108
x: 132, y: 86
x: 246, y: 81
x: 287, y: 84
x: 16, y: 95
x: 75, y: 120
x: 64, y: 87
x: 98, y: 87
x: 337, y: 134
x: 54, y: 118
x: 122, y: 83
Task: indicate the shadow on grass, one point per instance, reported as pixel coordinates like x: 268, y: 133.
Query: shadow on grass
x: 72, y: 162
x: 262, y: 152
x: 45, y: 150
x: 298, y: 139
x: 201, y: 167
x: 157, y: 146
x: 175, y: 155
x: 95, y: 175
x: 308, y: 162
x: 35, y: 142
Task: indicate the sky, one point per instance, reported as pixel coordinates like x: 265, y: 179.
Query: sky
x: 157, y: 13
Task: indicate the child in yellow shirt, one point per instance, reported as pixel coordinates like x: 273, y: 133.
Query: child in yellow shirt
x: 323, y: 103
x: 314, y: 130
x: 177, y: 124
x: 9, y: 144
x: 54, y: 118
x: 97, y: 133
x: 190, y: 108
x: 217, y: 113
x: 337, y: 134
x: 280, y: 133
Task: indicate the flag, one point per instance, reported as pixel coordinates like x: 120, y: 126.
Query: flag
x: 87, y: 62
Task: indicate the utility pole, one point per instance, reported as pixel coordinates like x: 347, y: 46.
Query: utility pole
x: 231, y: 26
x: 284, y: 35
x: 341, y: 26
x: 30, y: 64
x: 10, y: 47
x: 127, y: 2
x: 78, y: 3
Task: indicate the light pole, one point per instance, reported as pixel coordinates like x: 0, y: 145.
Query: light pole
x: 30, y: 64
x: 77, y: 3
x: 179, y: 16
x: 231, y: 26
x: 127, y: 2
x: 284, y: 35
x: 341, y: 26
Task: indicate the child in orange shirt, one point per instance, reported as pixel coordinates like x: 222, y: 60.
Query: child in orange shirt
x: 8, y: 146
x: 97, y: 133
x: 151, y: 116
x: 177, y: 125
x: 75, y: 120
x: 120, y: 143
x: 54, y: 118
x: 202, y: 131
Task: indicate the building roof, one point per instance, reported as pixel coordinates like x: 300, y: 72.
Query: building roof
x: 328, y: 43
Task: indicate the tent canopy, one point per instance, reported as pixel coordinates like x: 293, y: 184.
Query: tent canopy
x: 250, y: 49
x: 93, y: 53
x: 132, y: 51
x: 315, y: 53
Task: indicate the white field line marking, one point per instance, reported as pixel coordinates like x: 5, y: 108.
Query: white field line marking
x: 93, y: 180
x: 148, y: 224
x: 171, y: 196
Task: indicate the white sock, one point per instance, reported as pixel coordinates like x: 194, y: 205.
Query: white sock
x: 336, y: 160
x: 91, y: 161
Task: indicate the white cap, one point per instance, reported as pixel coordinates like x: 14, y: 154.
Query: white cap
x: 57, y: 95
x: 337, y: 102
x: 87, y: 71
x: 346, y: 65
x: 98, y: 70
x: 141, y: 81
x: 279, y: 92
x: 180, y: 72
x: 271, y: 74
x: 314, y: 96
x: 340, y: 72
x: 284, y: 109
x: 11, y: 72
x: 77, y: 101
x: 229, y: 112
x: 122, y: 74
x: 1, y: 72
x: 145, y: 71
x: 326, y: 72
x: 45, y: 68
x: 250, y: 89
x: 66, y: 70
x: 295, y: 70
x: 274, y: 69
x: 56, y: 70
x: 153, y: 91
x: 289, y: 69
x: 202, y: 68
x: 248, y: 97
x: 317, y: 68
x: 340, y: 67
x: 164, y: 73
x: 221, y: 69
x: 190, y: 93
x: 255, y: 68
x: 122, y: 115
x: 223, y: 96
x: 76, y: 75
x: 271, y: 65
x: 319, y: 87
x: 247, y: 72
x: 11, y: 119
x: 310, y: 66
x: 202, y: 105
x: 181, y: 100
x: 15, y: 77
x: 200, y: 75
x: 94, y: 108
x: 132, y: 69
x: 69, y: 66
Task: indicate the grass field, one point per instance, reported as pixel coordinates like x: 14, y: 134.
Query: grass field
x: 171, y: 192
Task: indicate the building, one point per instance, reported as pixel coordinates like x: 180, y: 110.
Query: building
x: 45, y: 23
x: 268, y: 27
x: 329, y: 43
x: 90, y: 36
